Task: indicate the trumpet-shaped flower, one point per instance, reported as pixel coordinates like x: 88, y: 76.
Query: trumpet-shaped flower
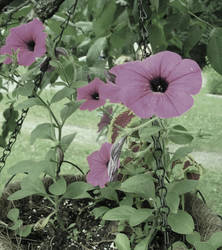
x: 160, y: 85
x: 93, y: 94
x: 98, y: 164
x: 28, y: 40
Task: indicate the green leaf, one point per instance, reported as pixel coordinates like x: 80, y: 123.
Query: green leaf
x: 58, y: 187
x: 139, y: 216
x: 79, y: 84
x: 118, y: 41
x: 26, y: 90
x: 22, y: 12
x: 27, y: 166
x: 84, y: 26
x: 121, y: 213
x: 203, y: 246
x: 122, y: 242
x: 216, y: 239
x: 194, y: 237
x: 13, y: 214
x: 24, y: 230
x: 104, y: 21
x: 146, y: 132
x: 78, y: 190
x: 28, y: 103
x: 95, y: 50
x: 43, y: 131
x: 214, y: 49
x: 67, y: 140
x: 17, y: 224
x: 173, y: 201
x: 181, y: 153
x: 99, y: 211
x: 179, y: 137
x: 2, y: 58
x: 193, y: 38
x: 179, y: 245
x: 33, y: 184
x: 155, y: 4
x: 179, y: 5
x: 66, y: 72
x: 68, y: 110
x: 143, y: 244
x: 61, y: 94
x: 181, y: 223
x: 141, y: 184
x: 20, y: 194
x: 157, y: 38
x: 109, y: 193
x: 183, y: 186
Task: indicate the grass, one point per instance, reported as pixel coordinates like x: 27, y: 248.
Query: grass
x: 205, y: 115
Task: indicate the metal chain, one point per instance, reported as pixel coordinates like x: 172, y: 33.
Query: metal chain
x: 144, y: 34
x: 7, y: 150
x: 13, y: 137
x: 64, y: 25
x: 158, y: 142
x: 161, y: 189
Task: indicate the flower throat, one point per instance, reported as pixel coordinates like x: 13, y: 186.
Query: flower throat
x: 31, y: 45
x: 159, y: 84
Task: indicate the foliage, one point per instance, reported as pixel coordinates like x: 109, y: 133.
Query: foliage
x: 92, y: 41
x: 213, y: 81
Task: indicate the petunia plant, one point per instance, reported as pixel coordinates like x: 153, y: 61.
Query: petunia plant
x: 139, y: 179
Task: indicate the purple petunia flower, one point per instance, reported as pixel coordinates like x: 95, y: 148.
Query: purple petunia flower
x: 93, y: 94
x: 30, y: 41
x: 160, y: 85
x: 98, y: 164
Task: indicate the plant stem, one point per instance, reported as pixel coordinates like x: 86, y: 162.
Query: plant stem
x: 130, y: 131
x: 51, y: 112
x: 200, y: 19
x: 57, y: 202
x: 74, y: 165
x: 11, y: 79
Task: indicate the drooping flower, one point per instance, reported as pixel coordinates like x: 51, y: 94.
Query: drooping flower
x: 93, y: 94
x: 160, y: 85
x: 28, y: 40
x: 98, y: 164
x: 105, y: 119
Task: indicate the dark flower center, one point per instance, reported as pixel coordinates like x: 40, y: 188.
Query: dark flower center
x: 31, y: 45
x: 95, y: 96
x: 159, y: 84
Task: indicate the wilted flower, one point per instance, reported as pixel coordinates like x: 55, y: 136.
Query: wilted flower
x: 160, y: 85
x: 28, y: 39
x: 93, y: 94
x: 98, y: 164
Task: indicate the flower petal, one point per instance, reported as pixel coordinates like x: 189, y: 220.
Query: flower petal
x: 161, y: 64
x: 25, y: 57
x: 105, y: 151
x: 130, y: 73
x: 92, y: 104
x: 186, y: 77
x: 145, y: 106
x: 173, y: 103
x: 112, y: 92
x: 98, y: 176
